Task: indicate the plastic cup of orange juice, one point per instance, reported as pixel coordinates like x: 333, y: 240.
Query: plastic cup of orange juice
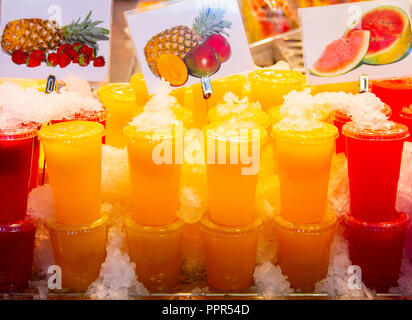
x: 79, y: 251
x: 155, y: 185
x: 74, y: 157
x: 140, y: 89
x: 233, y: 154
x: 303, y: 250
x: 230, y: 254
x: 157, y: 253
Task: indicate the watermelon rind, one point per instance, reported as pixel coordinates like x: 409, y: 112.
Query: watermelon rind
x: 397, y: 49
x: 355, y: 61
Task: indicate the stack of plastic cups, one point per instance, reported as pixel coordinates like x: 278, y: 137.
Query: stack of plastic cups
x: 231, y: 226
x: 78, y: 230
x: 305, y: 226
x: 17, y: 231
x: 340, y: 119
x: 375, y: 230
x: 154, y: 232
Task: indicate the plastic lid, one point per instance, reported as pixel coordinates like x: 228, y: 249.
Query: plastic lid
x: 323, y: 132
x: 248, y: 114
x: 232, y: 130
x: 329, y: 221
x: 117, y: 91
x: 95, y: 116
x: 277, y: 77
x: 19, y: 131
x: 72, y: 132
x: 17, y: 226
x: 210, y: 227
x: 155, y: 230
x: 54, y: 226
x: 132, y: 132
x: 399, y: 223
x: 406, y: 112
x: 342, y: 116
x: 394, y: 83
x: 394, y: 131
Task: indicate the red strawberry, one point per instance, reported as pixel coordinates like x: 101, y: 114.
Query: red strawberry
x: 32, y: 62
x: 53, y: 59
x: 76, y: 59
x: 62, y: 47
x: 18, y: 57
x: 99, y: 62
x: 64, y: 60
x: 71, y: 52
x: 77, y: 46
x: 87, y: 51
x: 84, y: 60
x: 38, y: 55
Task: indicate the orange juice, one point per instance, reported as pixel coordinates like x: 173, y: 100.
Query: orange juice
x: 120, y: 101
x: 74, y: 157
x: 274, y: 114
x: 303, y: 250
x: 231, y: 181
x: 140, y: 89
x: 348, y: 87
x: 230, y: 254
x: 304, y: 160
x: 79, y: 251
x: 157, y: 253
x: 155, y: 186
x: 269, y: 86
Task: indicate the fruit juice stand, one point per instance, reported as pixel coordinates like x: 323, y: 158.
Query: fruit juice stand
x: 116, y: 191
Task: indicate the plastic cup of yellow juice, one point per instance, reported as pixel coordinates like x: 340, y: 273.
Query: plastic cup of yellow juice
x: 79, y: 251
x: 230, y: 254
x: 157, y: 253
x: 233, y: 153
x: 304, y: 160
x: 303, y: 250
x: 269, y: 86
x: 73, y: 152
x: 140, y: 89
x: 121, y: 104
x: 155, y: 186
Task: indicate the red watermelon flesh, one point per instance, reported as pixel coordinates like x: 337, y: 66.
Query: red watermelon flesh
x: 343, y: 55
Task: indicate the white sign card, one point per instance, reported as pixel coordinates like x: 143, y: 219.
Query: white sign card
x: 342, y: 42
x: 186, y: 40
x: 28, y: 26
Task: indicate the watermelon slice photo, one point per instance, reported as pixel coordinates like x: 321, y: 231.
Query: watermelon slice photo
x: 343, y: 54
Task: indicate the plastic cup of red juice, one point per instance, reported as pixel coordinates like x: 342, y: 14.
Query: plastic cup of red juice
x: 16, y: 152
x: 405, y: 117
x: 374, y: 160
x: 377, y: 248
x: 16, y: 252
x: 396, y: 93
x: 340, y: 118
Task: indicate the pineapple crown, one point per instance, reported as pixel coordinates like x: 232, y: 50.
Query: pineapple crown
x: 211, y: 21
x: 86, y: 32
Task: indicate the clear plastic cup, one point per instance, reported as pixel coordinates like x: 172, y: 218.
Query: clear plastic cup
x: 303, y: 250
x: 79, y: 251
x: 374, y: 160
x: 16, y: 254
x: 157, y: 253
x: 230, y: 254
x: 377, y: 248
x: 155, y: 186
x: 16, y: 153
x: 73, y: 152
x: 304, y: 161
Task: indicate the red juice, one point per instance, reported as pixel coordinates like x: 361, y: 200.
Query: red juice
x: 16, y: 252
x: 34, y: 177
x: 16, y: 152
x: 340, y: 119
x: 396, y: 93
x: 377, y: 248
x: 405, y: 118
x: 374, y: 160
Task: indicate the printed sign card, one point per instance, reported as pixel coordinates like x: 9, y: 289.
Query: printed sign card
x: 342, y: 42
x: 55, y: 37
x: 187, y: 40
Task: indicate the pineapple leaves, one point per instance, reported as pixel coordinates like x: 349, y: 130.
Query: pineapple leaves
x: 211, y: 21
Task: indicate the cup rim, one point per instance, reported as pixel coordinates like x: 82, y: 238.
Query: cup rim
x: 21, y: 131
x: 400, y: 223
x: 355, y: 131
x: 330, y: 221
x: 25, y: 224
x: 173, y: 227
x: 208, y: 226
x: 52, y: 225
x: 92, y: 130
x: 302, y: 137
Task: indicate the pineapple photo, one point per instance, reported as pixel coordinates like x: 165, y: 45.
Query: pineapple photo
x: 179, y: 40
x: 28, y: 35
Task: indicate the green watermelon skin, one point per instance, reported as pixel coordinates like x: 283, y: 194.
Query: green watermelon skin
x: 342, y: 55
